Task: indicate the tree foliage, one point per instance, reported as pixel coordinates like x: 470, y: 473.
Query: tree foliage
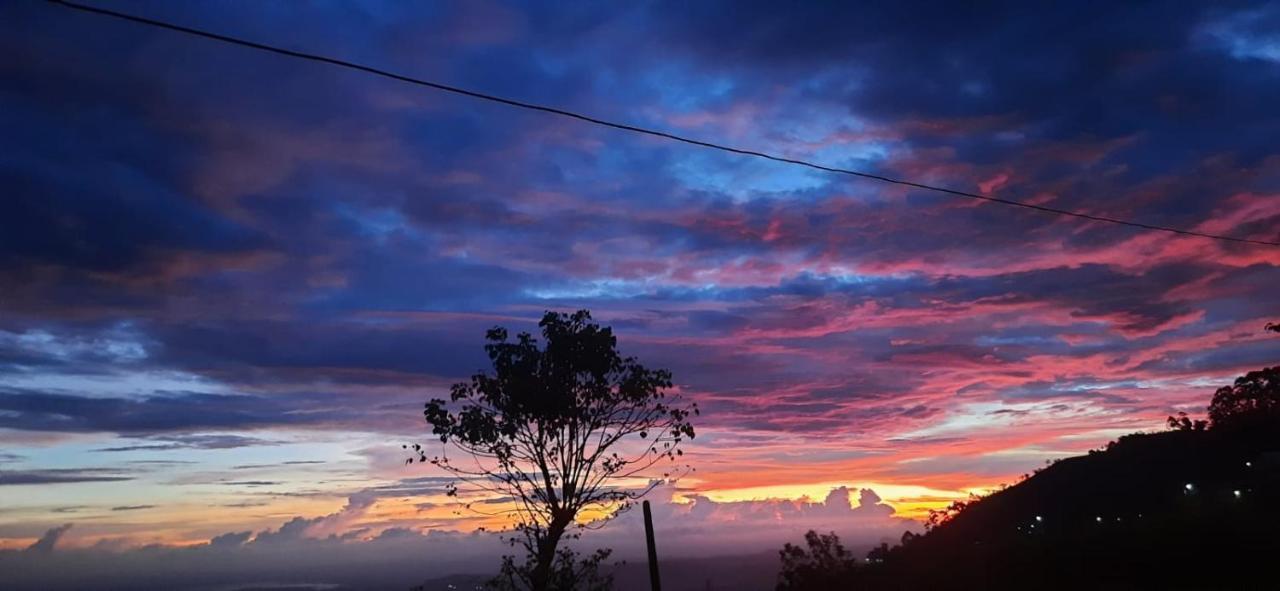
x: 561, y: 426
x: 937, y: 517
x: 824, y: 564
x: 1182, y: 422
x: 1254, y: 398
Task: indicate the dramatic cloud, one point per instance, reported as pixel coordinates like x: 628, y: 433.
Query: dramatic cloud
x: 238, y: 277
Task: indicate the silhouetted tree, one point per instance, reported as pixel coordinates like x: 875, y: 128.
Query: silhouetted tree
x: 557, y: 429
x: 826, y: 564
x: 1254, y: 398
x: 1273, y: 326
x: 1184, y: 423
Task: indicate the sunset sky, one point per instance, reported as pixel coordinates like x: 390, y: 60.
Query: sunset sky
x: 229, y: 280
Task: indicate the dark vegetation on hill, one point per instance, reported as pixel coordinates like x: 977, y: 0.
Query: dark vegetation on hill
x: 1195, y: 507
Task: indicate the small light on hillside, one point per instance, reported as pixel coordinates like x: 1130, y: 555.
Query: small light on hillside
x: 1248, y: 464
x: 1190, y: 487
x: 1039, y: 518
x: 1237, y: 493
x: 1099, y: 519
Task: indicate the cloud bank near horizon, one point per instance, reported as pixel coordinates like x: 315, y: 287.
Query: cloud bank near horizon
x: 352, y: 548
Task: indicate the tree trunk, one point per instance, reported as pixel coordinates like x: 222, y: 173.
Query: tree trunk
x: 541, y: 578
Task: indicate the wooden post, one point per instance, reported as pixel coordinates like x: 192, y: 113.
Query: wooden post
x: 655, y: 582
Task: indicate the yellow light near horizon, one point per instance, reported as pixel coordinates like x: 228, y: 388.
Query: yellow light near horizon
x: 918, y: 510
x: 908, y: 499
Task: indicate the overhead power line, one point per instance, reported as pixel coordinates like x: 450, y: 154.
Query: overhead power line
x: 632, y: 128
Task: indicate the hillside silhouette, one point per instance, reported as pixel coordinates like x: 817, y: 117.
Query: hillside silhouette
x: 1194, y: 507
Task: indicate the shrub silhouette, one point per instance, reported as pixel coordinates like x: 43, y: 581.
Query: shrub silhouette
x: 824, y: 564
